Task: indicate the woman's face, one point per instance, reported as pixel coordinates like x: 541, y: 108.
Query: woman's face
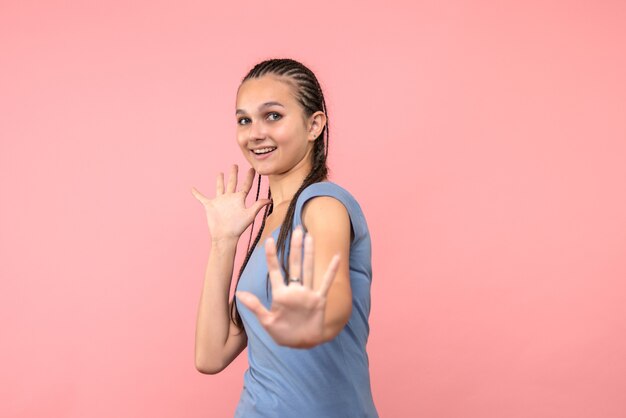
x: 270, y: 119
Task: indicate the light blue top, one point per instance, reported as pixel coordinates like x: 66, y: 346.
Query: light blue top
x: 330, y: 380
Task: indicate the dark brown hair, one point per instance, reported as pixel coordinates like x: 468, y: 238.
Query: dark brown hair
x: 309, y: 94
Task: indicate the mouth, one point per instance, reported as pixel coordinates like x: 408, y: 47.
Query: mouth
x: 263, y: 153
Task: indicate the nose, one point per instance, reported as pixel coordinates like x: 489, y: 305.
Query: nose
x: 257, y: 131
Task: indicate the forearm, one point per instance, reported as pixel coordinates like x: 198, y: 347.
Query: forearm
x: 336, y: 316
x: 213, y: 317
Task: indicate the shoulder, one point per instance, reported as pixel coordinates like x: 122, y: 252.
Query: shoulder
x: 331, y: 189
x: 326, y: 186
x: 331, y: 206
x: 325, y: 212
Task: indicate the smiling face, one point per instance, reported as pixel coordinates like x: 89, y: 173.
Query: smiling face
x: 269, y: 118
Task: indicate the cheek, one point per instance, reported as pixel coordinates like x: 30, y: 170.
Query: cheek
x: 243, y: 147
x: 286, y: 136
x: 241, y: 140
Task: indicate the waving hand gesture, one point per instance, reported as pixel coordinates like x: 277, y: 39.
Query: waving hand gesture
x: 296, y: 317
x: 226, y: 213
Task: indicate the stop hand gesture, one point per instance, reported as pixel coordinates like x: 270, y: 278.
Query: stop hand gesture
x: 296, y: 317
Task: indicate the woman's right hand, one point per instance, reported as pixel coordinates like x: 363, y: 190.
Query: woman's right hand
x: 226, y: 213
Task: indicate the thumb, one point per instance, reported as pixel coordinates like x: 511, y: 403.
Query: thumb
x: 252, y: 302
x: 258, y: 205
x: 197, y: 194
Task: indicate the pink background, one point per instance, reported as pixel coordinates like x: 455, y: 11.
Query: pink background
x: 485, y: 141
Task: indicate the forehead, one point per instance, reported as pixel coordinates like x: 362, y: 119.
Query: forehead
x: 256, y: 91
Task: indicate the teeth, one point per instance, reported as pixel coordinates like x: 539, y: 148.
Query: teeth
x: 263, y: 150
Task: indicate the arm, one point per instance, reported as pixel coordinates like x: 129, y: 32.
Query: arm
x: 317, y: 309
x: 328, y: 222
x: 218, y: 340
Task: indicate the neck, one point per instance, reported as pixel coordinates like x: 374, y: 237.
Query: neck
x: 285, y: 185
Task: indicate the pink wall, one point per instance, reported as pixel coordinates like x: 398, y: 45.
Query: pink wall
x: 486, y: 142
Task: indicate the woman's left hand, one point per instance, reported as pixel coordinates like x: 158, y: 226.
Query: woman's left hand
x: 296, y: 317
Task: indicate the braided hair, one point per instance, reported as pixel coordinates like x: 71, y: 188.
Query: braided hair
x: 309, y: 94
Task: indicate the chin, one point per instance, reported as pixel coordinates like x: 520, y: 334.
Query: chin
x: 263, y: 171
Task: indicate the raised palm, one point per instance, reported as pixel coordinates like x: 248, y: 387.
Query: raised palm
x: 227, y: 214
x: 296, y: 317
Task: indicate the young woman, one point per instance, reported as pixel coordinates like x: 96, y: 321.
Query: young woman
x: 302, y: 298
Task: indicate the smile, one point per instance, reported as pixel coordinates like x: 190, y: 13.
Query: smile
x: 263, y: 153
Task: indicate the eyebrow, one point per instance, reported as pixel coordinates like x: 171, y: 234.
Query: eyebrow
x: 266, y: 104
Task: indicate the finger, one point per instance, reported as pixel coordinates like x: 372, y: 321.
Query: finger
x: 252, y: 302
x: 247, y: 184
x: 273, y: 268
x: 198, y: 195
x: 295, y: 254
x: 307, y: 265
x: 219, y: 187
x: 331, y: 272
x: 232, y: 180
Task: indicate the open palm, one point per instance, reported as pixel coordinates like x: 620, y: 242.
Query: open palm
x: 296, y: 317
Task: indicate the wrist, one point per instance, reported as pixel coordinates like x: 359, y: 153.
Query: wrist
x: 224, y: 242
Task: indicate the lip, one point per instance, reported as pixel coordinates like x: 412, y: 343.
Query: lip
x: 262, y: 156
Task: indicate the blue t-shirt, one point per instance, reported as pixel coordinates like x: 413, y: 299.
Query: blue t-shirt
x: 330, y: 380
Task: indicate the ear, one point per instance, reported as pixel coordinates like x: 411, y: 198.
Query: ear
x: 317, y: 121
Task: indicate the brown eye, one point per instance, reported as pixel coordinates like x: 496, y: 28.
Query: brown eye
x: 240, y: 121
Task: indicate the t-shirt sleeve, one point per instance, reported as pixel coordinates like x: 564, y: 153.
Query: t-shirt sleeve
x: 357, y: 219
